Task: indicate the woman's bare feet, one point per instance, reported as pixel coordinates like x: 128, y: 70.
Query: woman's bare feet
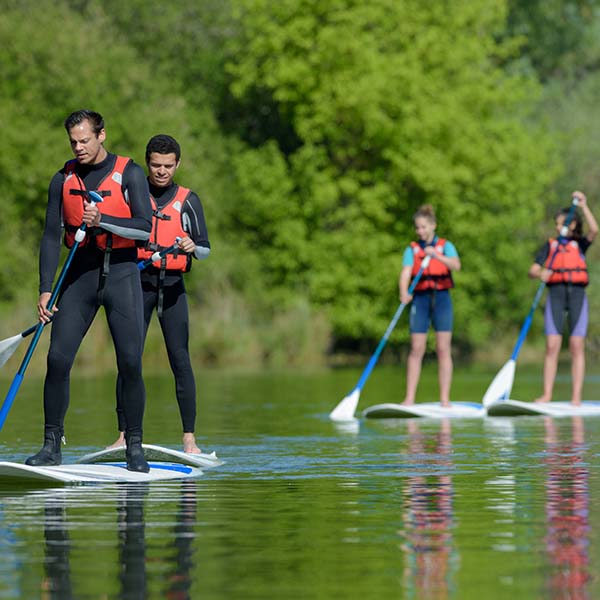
x: 120, y: 443
x: 189, y: 444
x: 541, y: 400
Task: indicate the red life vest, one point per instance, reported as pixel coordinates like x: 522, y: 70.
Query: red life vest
x: 437, y: 275
x: 569, y: 264
x: 113, y: 203
x: 166, y: 226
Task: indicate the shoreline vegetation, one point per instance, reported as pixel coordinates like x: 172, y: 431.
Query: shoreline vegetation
x: 312, y: 132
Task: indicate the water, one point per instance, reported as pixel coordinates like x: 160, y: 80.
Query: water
x: 303, y: 508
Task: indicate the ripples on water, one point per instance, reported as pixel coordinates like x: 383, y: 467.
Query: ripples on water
x: 303, y: 508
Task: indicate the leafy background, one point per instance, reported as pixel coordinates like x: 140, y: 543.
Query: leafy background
x: 312, y: 130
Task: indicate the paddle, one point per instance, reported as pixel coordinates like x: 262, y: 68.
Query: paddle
x: 16, y: 383
x: 501, y: 385
x: 9, y: 346
x: 344, y: 411
x: 158, y: 255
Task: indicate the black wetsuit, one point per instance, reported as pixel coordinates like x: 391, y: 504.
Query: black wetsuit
x: 85, y: 290
x: 174, y: 316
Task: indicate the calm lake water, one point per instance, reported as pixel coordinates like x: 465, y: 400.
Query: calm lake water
x: 302, y: 508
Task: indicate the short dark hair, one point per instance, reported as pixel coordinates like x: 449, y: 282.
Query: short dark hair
x: 77, y: 117
x: 163, y: 144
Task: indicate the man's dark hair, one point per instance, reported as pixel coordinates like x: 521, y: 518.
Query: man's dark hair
x: 77, y: 117
x: 163, y: 144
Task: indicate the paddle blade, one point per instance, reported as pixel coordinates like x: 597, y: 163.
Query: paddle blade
x: 8, y: 347
x: 501, y: 386
x: 345, y: 410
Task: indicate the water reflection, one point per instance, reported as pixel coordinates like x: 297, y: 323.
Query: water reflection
x: 118, y: 518
x: 132, y: 540
x: 428, y: 519
x: 567, y: 511
x: 57, y: 582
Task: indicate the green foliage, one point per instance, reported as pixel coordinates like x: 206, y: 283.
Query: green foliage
x: 391, y: 105
x: 312, y: 130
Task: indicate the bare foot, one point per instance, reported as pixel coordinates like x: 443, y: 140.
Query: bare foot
x: 189, y: 444
x: 446, y: 404
x: 120, y: 443
x: 576, y: 402
x: 541, y: 400
x: 408, y: 402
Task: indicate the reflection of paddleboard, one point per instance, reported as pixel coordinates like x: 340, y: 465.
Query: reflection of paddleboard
x: 16, y: 473
x: 515, y: 408
x: 155, y: 453
x: 424, y: 409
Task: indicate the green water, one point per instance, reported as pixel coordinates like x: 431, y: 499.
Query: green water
x: 302, y: 508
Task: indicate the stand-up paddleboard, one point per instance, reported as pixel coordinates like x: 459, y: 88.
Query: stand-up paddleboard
x: 516, y: 408
x: 431, y: 410
x: 16, y: 473
x: 155, y: 453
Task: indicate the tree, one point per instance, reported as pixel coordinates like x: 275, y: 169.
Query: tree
x: 355, y: 114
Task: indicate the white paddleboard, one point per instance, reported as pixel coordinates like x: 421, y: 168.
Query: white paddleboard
x: 12, y: 473
x: 155, y: 453
x: 516, y: 408
x: 431, y: 410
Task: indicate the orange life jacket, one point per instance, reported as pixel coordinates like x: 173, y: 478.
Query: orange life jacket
x: 113, y: 203
x: 437, y: 275
x: 569, y: 264
x: 166, y: 226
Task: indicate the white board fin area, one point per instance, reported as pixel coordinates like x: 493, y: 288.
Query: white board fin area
x: 516, y: 408
x: 77, y: 474
x: 155, y: 453
x: 432, y: 410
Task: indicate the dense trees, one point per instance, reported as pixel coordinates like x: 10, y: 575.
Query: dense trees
x: 312, y: 130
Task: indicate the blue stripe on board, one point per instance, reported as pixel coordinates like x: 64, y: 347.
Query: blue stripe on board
x: 164, y: 466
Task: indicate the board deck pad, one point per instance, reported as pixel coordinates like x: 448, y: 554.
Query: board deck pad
x: 517, y: 408
x: 432, y: 410
x: 155, y: 453
x: 12, y: 473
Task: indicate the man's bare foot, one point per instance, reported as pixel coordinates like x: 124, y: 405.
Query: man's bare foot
x: 189, y: 444
x: 541, y: 400
x: 576, y: 402
x: 120, y: 443
x: 408, y: 402
x: 445, y: 404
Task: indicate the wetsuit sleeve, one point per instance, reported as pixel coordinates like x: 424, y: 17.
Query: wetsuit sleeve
x: 408, y: 258
x: 50, y: 244
x: 542, y: 254
x: 139, y: 225
x: 192, y: 219
x: 450, y: 250
x: 584, y: 244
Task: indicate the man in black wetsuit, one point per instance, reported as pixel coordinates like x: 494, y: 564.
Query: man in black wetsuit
x: 177, y: 213
x: 103, y: 273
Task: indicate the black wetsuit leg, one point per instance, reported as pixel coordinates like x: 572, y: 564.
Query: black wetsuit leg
x: 122, y: 302
x: 77, y: 309
x: 175, y: 328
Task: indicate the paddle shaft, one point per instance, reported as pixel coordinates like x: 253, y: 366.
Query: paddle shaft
x: 373, y: 361
x: 158, y: 255
x: 538, y: 296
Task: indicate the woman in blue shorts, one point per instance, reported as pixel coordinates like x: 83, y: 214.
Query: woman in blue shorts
x: 566, y: 279
x: 431, y: 302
